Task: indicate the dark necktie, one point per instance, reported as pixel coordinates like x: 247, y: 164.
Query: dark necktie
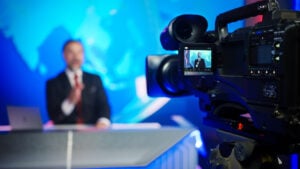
x: 78, y: 107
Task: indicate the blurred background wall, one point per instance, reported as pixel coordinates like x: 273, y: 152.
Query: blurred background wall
x: 117, y: 35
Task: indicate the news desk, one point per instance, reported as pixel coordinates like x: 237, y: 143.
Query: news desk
x: 86, y: 147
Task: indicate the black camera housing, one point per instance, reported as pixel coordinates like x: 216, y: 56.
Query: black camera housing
x: 251, y: 86
x: 261, y: 65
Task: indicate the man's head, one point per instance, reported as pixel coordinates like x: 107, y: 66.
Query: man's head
x: 199, y: 55
x: 73, y: 54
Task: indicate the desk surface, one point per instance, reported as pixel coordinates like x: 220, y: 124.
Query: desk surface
x: 92, y: 149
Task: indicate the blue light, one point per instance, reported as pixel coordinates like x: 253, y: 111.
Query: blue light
x: 296, y: 5
x: 294, y: 161
x: 199, y: 142
x: 258, y: 32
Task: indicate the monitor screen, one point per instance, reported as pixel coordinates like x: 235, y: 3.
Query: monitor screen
x: 197, y: 60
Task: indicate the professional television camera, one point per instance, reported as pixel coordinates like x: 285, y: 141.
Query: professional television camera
x: 248, y: 81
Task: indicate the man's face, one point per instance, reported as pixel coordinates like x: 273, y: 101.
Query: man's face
x: 199, y: 55
x: 73, y: 55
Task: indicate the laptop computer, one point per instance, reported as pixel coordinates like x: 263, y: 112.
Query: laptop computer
x: 24, y: 118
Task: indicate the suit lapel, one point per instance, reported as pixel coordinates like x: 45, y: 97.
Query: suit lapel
x: 65, y: 82
x: 84, y: 81
x: 85, y: 89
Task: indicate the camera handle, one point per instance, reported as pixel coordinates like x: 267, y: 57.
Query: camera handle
x: 265, y: 7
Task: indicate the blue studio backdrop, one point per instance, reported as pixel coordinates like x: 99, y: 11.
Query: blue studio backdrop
x: 117, y: 35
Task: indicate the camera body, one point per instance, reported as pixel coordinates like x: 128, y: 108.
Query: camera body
x: 259, y: 67
x: 247, y: 81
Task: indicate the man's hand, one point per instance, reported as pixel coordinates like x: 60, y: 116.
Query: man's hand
x: 75, y: 94
x: 101, y: 125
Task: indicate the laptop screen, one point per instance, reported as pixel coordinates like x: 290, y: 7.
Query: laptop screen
x: 24, y: 118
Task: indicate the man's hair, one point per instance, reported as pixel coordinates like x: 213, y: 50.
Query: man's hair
x: 69, y: 41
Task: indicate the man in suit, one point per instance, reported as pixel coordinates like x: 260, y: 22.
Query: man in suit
x: 75, y: 96
x: 199, y: 62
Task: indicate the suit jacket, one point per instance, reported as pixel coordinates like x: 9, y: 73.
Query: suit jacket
x: 199, y: 63
x: 94, y: 100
